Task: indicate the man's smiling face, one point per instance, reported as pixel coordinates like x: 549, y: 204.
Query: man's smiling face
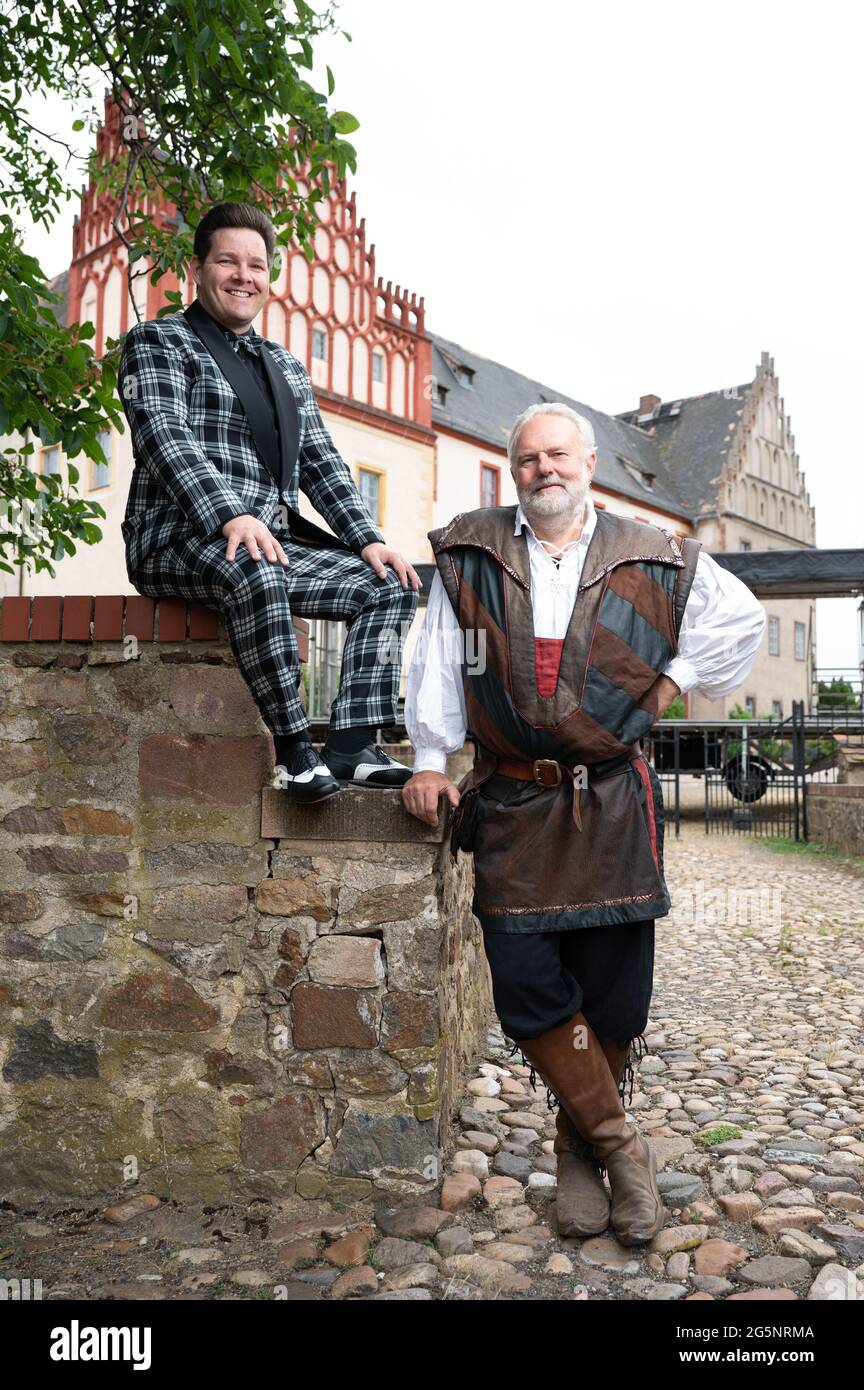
x: 234, y: 280
x: 551, y: 474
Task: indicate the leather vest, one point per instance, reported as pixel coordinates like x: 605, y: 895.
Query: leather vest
x: 623, y: 631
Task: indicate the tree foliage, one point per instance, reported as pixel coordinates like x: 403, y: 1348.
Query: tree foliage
x: 838, y: 693
x: 215, y: 105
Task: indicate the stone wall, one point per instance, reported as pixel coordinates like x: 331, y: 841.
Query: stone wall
x: 203, y: 992
x: 835, y: 816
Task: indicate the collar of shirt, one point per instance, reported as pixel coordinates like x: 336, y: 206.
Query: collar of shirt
x: 537, y: 549
x: 250, y: 339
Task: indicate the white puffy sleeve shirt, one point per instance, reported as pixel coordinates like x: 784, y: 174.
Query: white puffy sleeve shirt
x: 721, y: 629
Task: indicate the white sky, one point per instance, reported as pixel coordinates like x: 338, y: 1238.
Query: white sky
x: 624, y: 199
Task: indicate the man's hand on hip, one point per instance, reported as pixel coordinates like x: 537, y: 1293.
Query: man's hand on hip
x: 378, y: 555
x: 421, y: 794
x: 249, y: 531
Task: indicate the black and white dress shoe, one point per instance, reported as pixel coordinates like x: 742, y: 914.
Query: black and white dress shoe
x: 370, y: 767
x: 305, y: 777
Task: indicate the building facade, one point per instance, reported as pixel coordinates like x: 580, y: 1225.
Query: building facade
x: 423, y: 424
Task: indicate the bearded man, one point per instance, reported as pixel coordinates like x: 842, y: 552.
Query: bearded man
x: 582, y: 626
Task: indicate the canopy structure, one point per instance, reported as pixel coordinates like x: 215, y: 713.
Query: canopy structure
x: 797, y: 573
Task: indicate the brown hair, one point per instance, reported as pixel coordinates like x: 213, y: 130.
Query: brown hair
x: 234, y: 215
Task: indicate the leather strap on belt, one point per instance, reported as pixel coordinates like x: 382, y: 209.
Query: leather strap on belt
x: 546, y: 772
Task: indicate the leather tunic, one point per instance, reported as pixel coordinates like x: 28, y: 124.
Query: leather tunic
x: 533, y: 869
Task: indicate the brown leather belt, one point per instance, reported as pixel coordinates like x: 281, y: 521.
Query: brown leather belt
x: 546, y: 772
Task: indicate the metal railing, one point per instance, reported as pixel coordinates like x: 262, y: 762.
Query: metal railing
x: 749, y: 775
x: 737, y: 775
x: 836, y: 688
x: 323, y: 669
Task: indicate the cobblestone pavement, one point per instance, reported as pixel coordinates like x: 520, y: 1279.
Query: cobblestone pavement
x: 752, y: 1093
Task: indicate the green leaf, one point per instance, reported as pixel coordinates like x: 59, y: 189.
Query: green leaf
x: 228, y: 42
x: 344, y: 122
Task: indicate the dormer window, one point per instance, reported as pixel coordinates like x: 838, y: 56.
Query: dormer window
x: 440, y: 394
x: 464, y: 375
x: 639, y: 475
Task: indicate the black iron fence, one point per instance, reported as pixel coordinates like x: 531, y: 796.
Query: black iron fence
x: 749, y: 775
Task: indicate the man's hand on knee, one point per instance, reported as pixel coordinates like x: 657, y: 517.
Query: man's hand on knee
x: 421, y: 794
x: 377, y: 556
x: 249, y: 531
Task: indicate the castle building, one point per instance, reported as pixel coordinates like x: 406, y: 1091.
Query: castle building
x: 423, y: 423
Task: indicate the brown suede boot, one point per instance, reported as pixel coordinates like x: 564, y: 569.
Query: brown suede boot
x: 574, y: 1066
x: 581, y: 1202
x: 568, y: 1139
x: 582, y: 1205
x: 616, y: 1055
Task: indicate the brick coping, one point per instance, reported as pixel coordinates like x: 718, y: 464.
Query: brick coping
x: 114, y: 617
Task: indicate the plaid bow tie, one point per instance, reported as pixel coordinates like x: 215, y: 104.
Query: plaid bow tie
x: 248, y: 342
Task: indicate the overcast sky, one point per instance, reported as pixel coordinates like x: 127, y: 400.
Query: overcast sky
x: 625, y: 199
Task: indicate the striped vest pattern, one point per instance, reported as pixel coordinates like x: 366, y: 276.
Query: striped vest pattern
x: 622, y: 633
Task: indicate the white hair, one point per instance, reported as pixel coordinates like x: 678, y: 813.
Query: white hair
x: 585, y: 428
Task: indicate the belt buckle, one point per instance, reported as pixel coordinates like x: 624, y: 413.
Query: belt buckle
x: 542, y: 763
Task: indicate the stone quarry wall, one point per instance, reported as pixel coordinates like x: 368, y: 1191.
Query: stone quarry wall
x: 205, y: 993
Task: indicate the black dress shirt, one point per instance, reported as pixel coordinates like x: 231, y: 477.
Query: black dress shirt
x: 254, y: 365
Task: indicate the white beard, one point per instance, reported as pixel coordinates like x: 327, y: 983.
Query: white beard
x: 565, y: 504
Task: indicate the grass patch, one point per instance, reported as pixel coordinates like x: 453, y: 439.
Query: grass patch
x: 806, y: 848
x: 718, y: 1135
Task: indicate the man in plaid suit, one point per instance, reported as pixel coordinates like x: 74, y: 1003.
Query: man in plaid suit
x: 225, y: 430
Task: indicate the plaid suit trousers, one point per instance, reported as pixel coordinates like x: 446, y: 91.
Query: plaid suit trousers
x: 258, y: 598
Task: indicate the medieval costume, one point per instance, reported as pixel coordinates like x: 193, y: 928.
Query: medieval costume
x: 550, y: 662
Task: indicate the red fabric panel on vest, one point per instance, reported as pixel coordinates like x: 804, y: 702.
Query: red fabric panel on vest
x: 547, y: 659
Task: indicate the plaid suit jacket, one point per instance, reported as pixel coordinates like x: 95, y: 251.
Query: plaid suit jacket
x: 205, y: 448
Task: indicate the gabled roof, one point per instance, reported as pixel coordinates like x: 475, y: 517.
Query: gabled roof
x: 692, y: 437
x: 486, y: 410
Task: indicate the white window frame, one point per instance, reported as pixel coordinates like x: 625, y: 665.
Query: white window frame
x: 801, y: 631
